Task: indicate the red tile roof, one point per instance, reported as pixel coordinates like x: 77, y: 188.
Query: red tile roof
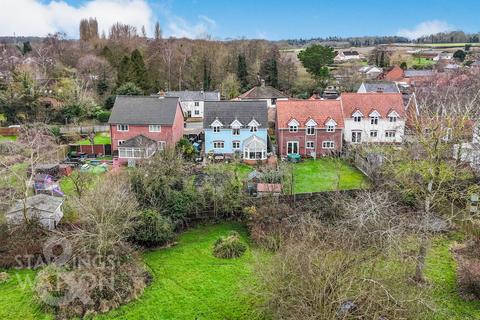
x: 396, y: 74
x: 384, y: 103
x: 304, y: 110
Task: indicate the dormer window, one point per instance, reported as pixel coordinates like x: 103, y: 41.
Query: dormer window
x: 253, y: 125
x: 216, y: 125
x: 392, y: 116
x: 330, y: 128
x: 236, y: 132
x: 374, y: 116
x: 357, y: 116
x: 310, y: 130
x: 293, y: 125
x: 253, y: 128
x: 216, y: 129
x: 330, y: 125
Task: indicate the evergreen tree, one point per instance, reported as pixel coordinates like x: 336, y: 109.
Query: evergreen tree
x: 124, y: 72
x: 269, y: 72
x: 242, y: 73
x: 102, y: 84
x: 207, y: 77
x: 139, y: 71
x: 158, y: 31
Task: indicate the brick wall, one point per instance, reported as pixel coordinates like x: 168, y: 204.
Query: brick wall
x: 284, y: 136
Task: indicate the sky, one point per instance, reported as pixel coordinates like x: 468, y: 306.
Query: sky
x: 253, y: 19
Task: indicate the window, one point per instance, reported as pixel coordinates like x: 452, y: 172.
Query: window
x: 236, y: 132
x: 331, y: 128
x: 120, y: 142
x: 218, y: 144
x: 236, y: 144
x: 392, y: 119
x: 197, y: 112
x: 161, y: 145
x: 328, y: 145
x: 274, y: 101
x: 293, y: 129
x: 122, y: 127
x: 216, y: 129
x: 390, y: 134
x: 310, y: 144
x: 374, y: 120
x: 253, y: 129
x: 154, y: 128
x: 357, y: 119
x: 196, y: 103
x: 373, y: 133
x: 292, y: 147
x: 310, y: 130
x: 356, y: 136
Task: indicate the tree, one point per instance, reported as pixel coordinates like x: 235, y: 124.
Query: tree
x: 459, y: 55
x: 129, y: 89
x: 88, y: 29
x: 125, y: 71
x: 242, y: 72
x: 138, y: 69
x: 404, y: 65
x: 207, y: 77
x: 269, y: 71
x: 316, y: 59
x: 158, y: 31
x: 230, y: 87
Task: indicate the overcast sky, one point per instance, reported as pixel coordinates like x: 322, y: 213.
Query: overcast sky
x: 274, y: 20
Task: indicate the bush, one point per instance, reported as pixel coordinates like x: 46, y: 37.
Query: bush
x: 468, y: 270
x: 89, y: 290
x: 152, y: 229
x: 103, y: 116
x: 229, y: 247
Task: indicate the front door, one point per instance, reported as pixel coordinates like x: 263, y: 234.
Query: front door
x: 292, y: 147
x: 189, y: 114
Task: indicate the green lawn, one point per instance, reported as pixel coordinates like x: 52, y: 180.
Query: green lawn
x: 8, y: 138
x: 420, y: 62
x: 100, y: 138
x: 323, y: 174
x: 190, y: 283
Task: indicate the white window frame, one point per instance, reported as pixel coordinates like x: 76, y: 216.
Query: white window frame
x: 218, y: 144
x: 358, y: 136
x: 357, y: 119
x: 154, y: 128
x: 293, y: 143
x: 392, y: 118
x: 216, y: 129
x: 122, y: 127
x: 161, y: 145
x: 311, y: 130
x: 236, y: 144
x: 328, y: 144
x: 292, y: 128
x: 196, y: 104
x: 310, y: 145
x: 196, y: 112
x: 373, y: 133
x: 390, y: 134
x: 253, y: 128
x: 330, y: 128
x: 235, y: 131
x: 120, y: 142
x: 374, y: 120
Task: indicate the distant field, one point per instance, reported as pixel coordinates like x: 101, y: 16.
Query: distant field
x: 438, y: 45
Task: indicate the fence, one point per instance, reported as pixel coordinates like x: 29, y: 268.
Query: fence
x: 84, y: 129
x: 104, y: 149
x: 8, y: 131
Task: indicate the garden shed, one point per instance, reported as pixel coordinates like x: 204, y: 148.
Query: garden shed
x: 46, y: 209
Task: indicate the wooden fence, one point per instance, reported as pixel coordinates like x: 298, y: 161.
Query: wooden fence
x: 9, y: 131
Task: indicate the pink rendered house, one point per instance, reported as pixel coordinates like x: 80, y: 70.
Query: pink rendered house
x: 142, y: 125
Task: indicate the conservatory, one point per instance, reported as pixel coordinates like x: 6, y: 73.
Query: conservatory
x: 138, y: 147
x: 254, y: 148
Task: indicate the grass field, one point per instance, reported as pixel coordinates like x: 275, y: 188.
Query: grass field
x: 323, y: 175
x: 190, y: 283
x: 8, y: 138
x: 100, y: 138
x: 420, y: 62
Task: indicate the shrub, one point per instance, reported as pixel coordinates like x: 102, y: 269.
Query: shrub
x: 229, y: 247
x: 468, y: 270
x: 103, y: 116
x: 89, y: 290
x: 152, y: 229
x: 4, y: 277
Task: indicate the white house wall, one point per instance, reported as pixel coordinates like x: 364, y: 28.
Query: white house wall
x: 383, y: 125
x: 190, y: 106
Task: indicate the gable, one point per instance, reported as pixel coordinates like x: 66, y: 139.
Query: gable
x: 374, y: 113
x: 393, y: 113
x: 253, y: 123
x: 216, y: 123
x: 330, y: 122
x: 236, y: 124
x: 293, y: 123
x: 357, y: 113
x: 311, y: 123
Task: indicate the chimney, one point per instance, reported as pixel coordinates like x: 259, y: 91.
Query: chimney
x: 262, y: 83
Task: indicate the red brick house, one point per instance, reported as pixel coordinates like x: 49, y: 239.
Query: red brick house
x: 309, y: 127
x: 141, y: 125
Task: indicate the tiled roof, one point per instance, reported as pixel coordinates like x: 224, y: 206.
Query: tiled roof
x: 419, y: 73
x: 366, y: 102
x: 139, y: 141
x: 395, y: 74
x: 263, y: 92
x: 389, y: 87
x: 303, y: 110
x: 144, y: 110
x: 39, y: 202
x: 227, y: 111
x: 194, y: 95
x: 350, y: 53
